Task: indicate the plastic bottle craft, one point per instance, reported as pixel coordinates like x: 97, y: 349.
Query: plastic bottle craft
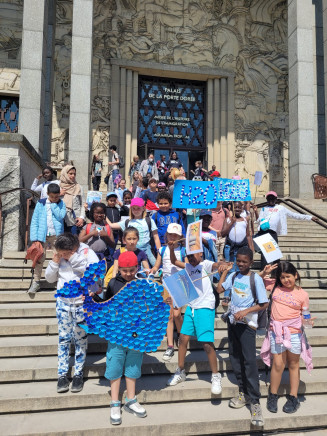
x: 73, y: 289
x: 136, y: 317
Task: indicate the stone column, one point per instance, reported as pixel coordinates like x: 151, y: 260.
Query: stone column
x: 37, y: 52
x: 324, y: 5
x: 303, y: 156
x: 80, y: 94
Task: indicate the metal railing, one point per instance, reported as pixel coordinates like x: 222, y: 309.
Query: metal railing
x: 298, y: 207
x: 28, y: 204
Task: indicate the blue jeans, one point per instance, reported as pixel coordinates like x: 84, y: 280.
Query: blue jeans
x: 68, y: 316
x: 150, y: 255
x: 114, y: 174
x: 230, y: 258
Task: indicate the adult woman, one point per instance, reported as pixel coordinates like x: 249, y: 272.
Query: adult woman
x: 73, y: 199
x: 148, y: 166
x: 135, y: 166
x: 174, y: 162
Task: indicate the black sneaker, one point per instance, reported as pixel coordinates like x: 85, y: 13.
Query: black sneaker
x: 291, y: 405
x: 78, y: 383
x: 272, y: 402
x: 63, y: 384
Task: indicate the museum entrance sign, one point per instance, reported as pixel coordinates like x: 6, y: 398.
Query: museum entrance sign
x: 171, y: 112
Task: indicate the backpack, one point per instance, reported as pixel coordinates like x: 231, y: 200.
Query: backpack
x: 262, y: 314
x: 89, y: 225
x: 34, y: 253
x: 121, y: 161
x: 108, y: 276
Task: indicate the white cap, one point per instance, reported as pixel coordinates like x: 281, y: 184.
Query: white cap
x: 175, y: 228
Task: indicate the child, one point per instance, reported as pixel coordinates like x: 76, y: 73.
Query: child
x: 49, y: 177
x: 113, y: 214
x: 124, y: 210
x: 152, y: 193
x: 285, y: 339
x: 47, y: 223
x: 174, y: 234
x: 120, y: 190
x: 199, y: 317
x: 207, y: 233
x: 97, y: 234
x: 242, y: 324
x: 130, y: 239
x: 273, y: 219
x: 219, y: 215
x: 236, y: 231
x: 199, y: 171
x: 122, y: 360
x: 166, y: 215
x: 146, y: 227
x: 69, y: 263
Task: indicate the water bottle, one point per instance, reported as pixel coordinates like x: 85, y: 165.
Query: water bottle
x: 307, y: 323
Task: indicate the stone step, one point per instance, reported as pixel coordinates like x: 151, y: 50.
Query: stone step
x: 17, y: 273
x: 19, y: 296
x: 22, y: 254
x: 20, y: 346
x: 151, y: 389
x: 28, y: 326
x: 24, y: 310
x: 193, y: 418
x: 284, y: 245
x: 45, y: 367
x: 17, y: 263
x: 8, y: 284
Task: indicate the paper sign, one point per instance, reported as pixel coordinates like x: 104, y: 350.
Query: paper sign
x: 258, y: 178
x: 204, y: 195
x: 194, y: 238
x: 268, y: 247
x: 93, y: 196
x: 180, y: 288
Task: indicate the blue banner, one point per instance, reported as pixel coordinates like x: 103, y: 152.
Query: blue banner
x: 204, y: 195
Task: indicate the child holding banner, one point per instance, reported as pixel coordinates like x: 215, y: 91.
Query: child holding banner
x: 199, y: 318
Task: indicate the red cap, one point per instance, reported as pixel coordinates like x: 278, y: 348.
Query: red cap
x: 127, y: 259
x: 215, y: 174
x: 273, y: 193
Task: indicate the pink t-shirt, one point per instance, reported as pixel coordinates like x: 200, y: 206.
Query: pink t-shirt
x: 287, y: 304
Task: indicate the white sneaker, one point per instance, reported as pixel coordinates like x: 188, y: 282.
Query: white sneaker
x: 216, y: 384
x: 34, y: 288
x: 178, y: 377
x: 134, y: 407
x: 115, y: 413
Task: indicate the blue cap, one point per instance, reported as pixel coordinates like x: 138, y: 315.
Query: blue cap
x: 205, y: 212
x: 111, y: 194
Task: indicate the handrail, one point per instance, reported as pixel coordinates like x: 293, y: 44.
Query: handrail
x: 28, y: 203
x: 299, y: 208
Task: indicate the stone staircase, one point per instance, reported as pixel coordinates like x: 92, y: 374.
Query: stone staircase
x: 30, y: 405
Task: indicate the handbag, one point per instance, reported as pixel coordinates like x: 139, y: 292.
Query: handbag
x: 106, y: 179
x: 264, y: 223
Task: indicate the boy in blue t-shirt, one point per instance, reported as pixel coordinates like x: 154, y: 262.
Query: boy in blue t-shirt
x: 242, y: 324
x: 166, y: 215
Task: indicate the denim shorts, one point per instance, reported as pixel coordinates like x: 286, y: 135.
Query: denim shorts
x: 199, y: 323
x: 280, y: 348
x: 120, y: 358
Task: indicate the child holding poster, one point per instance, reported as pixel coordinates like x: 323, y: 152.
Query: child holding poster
x: 199, y: 318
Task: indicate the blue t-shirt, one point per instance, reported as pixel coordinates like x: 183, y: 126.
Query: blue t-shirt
x: 241, y: 294
x: 163, y: 219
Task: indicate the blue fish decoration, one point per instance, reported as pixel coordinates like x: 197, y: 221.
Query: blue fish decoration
x: 73, y: 289
x: 136, y: 317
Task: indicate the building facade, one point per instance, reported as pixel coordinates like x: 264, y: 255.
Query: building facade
x: 236, y: 83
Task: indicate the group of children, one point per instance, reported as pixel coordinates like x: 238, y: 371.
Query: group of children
x: 166, y: 229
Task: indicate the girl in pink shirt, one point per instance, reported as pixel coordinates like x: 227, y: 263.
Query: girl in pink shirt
x: 285, y: 336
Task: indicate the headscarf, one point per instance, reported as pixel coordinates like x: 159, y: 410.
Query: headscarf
x: 72, y: 188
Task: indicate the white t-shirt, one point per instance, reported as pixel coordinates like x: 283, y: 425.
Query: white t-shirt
x: 238, y: 231
x: 43, y: 188
x: 272, y: 214
x: 142, y: 226
x: 168, y: 268
x: 115, y: 157
x: 209, y: 235
x: 50, y: 226
x: 206, y: 297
